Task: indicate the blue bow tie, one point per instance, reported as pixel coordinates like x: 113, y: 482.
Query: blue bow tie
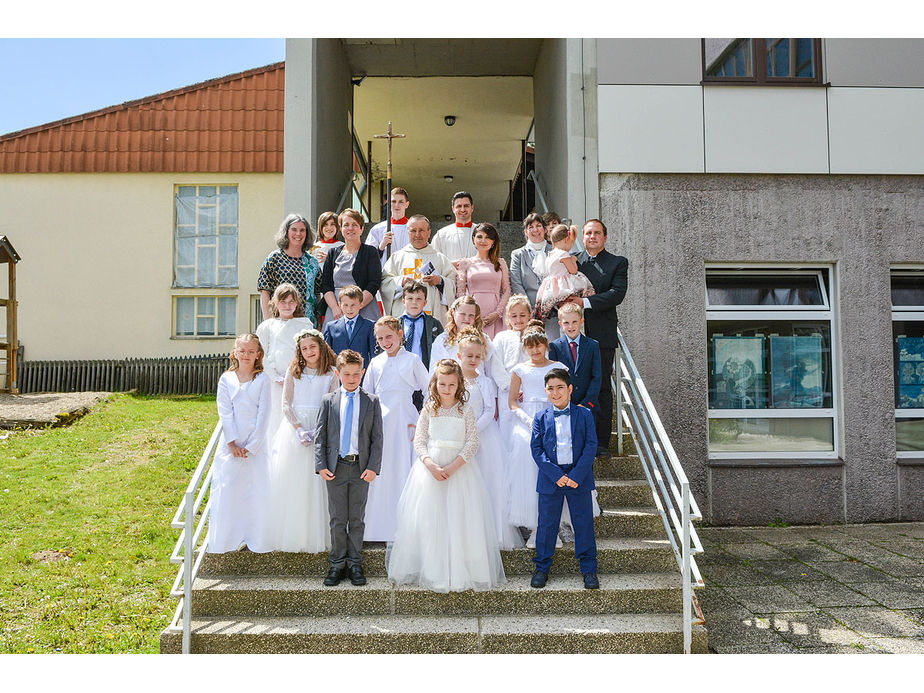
x: 561, y: 412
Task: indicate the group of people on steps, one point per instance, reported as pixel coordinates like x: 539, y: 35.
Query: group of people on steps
x: 370, y: 403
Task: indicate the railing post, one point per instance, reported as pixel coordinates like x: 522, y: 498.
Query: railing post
x: 685, y: 572
x: 189, y: 530
x: 617, y: 367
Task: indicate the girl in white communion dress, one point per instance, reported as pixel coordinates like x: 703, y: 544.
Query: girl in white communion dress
x: 298, y: 517
x: 446, y: 539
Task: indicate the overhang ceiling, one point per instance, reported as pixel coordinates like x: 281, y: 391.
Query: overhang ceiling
x: 441, y: 57
x: 481, y: 151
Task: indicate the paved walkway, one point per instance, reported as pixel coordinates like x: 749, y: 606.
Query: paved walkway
x: 824, y: 589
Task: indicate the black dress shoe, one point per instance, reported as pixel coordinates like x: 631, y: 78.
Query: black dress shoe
x: 539, y: 579
x: 591, y: 582
x: 356, y: 575
x: 334, y: 577
x: 604, y: 453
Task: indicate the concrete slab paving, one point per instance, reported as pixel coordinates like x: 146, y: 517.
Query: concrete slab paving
x: 812, y: 629
x: 788, y: 571
x: 876, y: 621
x: 900, y: 645
x: 810, y: 553
x: 852, y: 571
x: 755, y: 550
x: 769, y: 599
x: 814, y: 590
x: 894, y: 595
x: 830, y: 593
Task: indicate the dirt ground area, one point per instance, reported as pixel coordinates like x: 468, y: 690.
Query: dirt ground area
x: 46, y: 409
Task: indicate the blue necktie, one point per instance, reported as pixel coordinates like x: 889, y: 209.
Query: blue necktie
x: 409, y: 333
x: 561, y: 412
x: 350, y: 334
x: 347, y: 426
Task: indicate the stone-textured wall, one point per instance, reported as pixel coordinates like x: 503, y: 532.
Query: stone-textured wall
x: 670, y: 226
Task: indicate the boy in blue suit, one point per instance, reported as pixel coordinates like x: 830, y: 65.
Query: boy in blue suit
x: 351, y: 331
x: 564, y: 443
x: 587, y: 370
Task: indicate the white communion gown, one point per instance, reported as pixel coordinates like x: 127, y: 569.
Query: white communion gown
x: 394, y: 379
x: 492, y: 458
x: 446, y: 539
x: 299, y: 521
x: 508, y: 345
x: 524, y: 501
x: 277, y: 337
x: 239, y: 492
x: 492, y: 366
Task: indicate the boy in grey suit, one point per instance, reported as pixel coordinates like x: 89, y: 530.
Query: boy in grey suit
x: 348, y: 455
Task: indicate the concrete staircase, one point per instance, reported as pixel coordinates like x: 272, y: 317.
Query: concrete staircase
x: 276, y: 603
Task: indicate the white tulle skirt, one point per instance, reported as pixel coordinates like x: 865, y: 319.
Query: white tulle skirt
x: 445, y: 541
x: 299, y: 520
x: 492, y: 461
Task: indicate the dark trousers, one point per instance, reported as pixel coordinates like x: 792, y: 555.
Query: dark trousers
x: 346, y: 501
x: 580, y: 504
x: 603, y: 416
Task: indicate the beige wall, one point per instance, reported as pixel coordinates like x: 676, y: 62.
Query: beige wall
x: 97, y: 268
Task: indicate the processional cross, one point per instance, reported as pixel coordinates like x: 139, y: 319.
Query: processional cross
x: 389, y: 136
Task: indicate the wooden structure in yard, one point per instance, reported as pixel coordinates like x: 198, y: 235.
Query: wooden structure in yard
x: 10, y: 257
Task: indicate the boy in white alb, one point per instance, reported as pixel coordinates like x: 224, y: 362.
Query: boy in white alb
x: 455, y: 240
x: 397, y: 239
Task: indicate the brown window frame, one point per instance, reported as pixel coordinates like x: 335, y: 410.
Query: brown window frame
x: 760, y: 77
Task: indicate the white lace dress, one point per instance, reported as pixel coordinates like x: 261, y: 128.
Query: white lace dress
x: 277, y: 337
x: 446, y: 539
x: 299, y: 521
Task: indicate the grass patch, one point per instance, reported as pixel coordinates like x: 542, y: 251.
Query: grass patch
x: 85, y: 516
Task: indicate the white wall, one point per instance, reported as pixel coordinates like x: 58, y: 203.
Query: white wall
x: 97, y: 259
x: 656, y: 126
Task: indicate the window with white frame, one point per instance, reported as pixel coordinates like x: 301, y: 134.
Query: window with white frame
x: 908, y: 360
x: 204, y: 316
x: 256, y: 312
x: 205, y: 236
x: 771, y: 363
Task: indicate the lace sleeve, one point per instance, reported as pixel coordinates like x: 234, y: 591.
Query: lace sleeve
x: 288, y: 395
x: 471, y: 434
x: 422, y: 433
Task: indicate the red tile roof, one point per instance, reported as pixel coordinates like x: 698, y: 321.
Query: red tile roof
x: 227, y: 125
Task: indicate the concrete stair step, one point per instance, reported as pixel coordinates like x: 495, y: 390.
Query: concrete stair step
x: 629, y: 522
x: 628, y: 444
x: 248, y: 596
x: 615, y: 633
x: 623, y: 493
x: 626, y: 468
x: 614, y: 555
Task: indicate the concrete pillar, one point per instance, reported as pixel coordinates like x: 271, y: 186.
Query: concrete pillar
x: 318, y: 141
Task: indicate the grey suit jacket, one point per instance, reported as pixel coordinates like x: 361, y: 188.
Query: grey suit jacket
x: 327, y: 441
x: 522, y: 278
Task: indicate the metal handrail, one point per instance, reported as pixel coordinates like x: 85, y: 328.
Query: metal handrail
x: 542, y: 206
x: 664, y: 473
x: 190, y: 548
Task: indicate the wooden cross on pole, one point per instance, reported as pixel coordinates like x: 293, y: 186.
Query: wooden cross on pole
x: 388, y: 136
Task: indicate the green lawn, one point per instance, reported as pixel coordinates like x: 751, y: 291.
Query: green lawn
x: 85, y: 524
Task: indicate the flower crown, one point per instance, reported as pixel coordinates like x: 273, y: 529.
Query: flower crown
x: 308, y: 333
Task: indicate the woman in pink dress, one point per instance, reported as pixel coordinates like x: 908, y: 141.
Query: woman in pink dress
x: 485, y: 278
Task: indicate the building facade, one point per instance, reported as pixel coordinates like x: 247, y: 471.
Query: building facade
x: 143, y: 226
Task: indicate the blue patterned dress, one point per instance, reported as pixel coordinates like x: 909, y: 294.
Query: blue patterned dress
x: 303, y: 272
